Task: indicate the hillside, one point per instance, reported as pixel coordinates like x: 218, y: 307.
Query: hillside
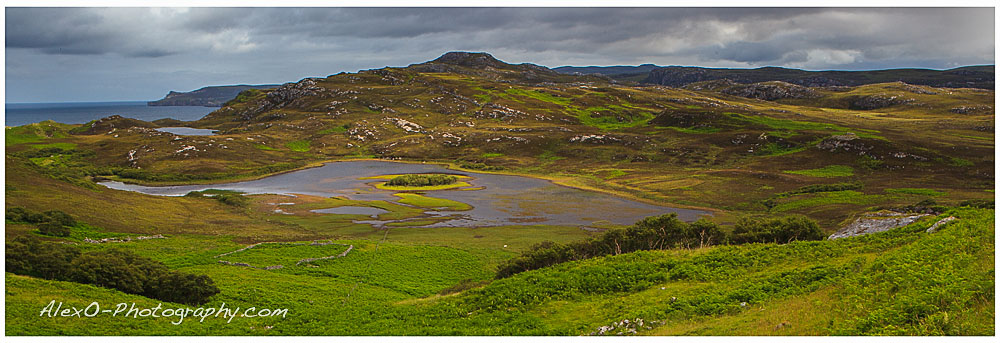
x: 820, y: 157
x: 621, y: 73
x: 211, y: 96
x: 972, y: 77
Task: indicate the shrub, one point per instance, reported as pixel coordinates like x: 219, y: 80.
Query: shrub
x: 18, y: 214
x: 977, y: 203
x: 422, y: 180
x: 182, y: 288
x: 53, y: 228
x: 116, y: 269
x: 650, y: 233
x: 777, y: 230
x: 51, y: 223
x: 60, y: 217
x: 830, y: 187
x: 27, y: 255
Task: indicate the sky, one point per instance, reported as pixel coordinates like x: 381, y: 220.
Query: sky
x: 115, y: 54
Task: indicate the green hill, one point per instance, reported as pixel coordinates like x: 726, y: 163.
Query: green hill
x: 742, y: 151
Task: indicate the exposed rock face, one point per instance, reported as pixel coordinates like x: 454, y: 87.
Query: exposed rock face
x: 876, y: 222
x: 847, y: 142
x: 121, y: 240
x: 679, y: 76
x: 974, y: 109
x: 935, y: 227
x: 291, y: 91
x: 873, y: 102
x: 115, y: 122
x: 771, y: 91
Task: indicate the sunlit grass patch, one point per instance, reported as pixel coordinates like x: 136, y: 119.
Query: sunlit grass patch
x: 828, y: 171
x: 692, y: 130
x: 300, y: 146
x: 916, y: 191
x: 613, y: 117
x: 539, y: 96
x: 431, y: 202
x: 826, y: 198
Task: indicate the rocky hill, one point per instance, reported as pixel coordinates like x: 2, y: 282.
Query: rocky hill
x: 964, y: 77
x: 714, y: 144
x: 212, y: 96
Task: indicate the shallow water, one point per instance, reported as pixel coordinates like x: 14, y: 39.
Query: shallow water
x: 506, y: 199
x: 82, y: 112
x: 187, y: 131
x: 371, y: 211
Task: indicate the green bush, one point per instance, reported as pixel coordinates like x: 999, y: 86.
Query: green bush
x: 60, y: 218
x: 977, y: 203
x: 27, y: 255
x: 479, y: 166
x: 21, y: 215
x: 53, y: 228
x: 51, y: 223
x: 422, y: 180
x: 776, y: 230
x: 115, y: 269
x: 651, y: 233
x: 830, y: 187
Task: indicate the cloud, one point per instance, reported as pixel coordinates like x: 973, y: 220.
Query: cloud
x: 285, y: 44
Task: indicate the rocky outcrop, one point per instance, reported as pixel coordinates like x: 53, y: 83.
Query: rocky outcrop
x: 108, y: 125
x: 306, y: 260
x: 122, y: 239
x: 874, y: 102
x: 876, y: 222
x: 772, y: 90
x: 939, y: 223
x: 848, y: 142
x: 973, y: 109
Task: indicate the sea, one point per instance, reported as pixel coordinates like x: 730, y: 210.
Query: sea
x: 18, y: 114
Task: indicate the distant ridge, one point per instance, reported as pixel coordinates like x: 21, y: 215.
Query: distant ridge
x: 611, y: 70
x: 211, y: 96
x: 964, y: 77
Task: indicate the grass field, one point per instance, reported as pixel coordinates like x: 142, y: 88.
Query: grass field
x: 887, y: 283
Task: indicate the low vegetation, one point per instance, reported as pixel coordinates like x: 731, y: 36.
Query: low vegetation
x: 51, y: 223
x: 664, y: 232
x: 115, y: 269
x: 422, y: 180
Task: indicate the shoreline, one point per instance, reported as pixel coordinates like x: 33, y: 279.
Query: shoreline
x: 711, y: 212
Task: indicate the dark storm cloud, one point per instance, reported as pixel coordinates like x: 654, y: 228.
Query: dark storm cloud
x: 743, y: 35
x: 245, y: 45
x: 55, y: 31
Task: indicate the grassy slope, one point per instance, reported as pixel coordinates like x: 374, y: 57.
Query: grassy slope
x: 903, y: 281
